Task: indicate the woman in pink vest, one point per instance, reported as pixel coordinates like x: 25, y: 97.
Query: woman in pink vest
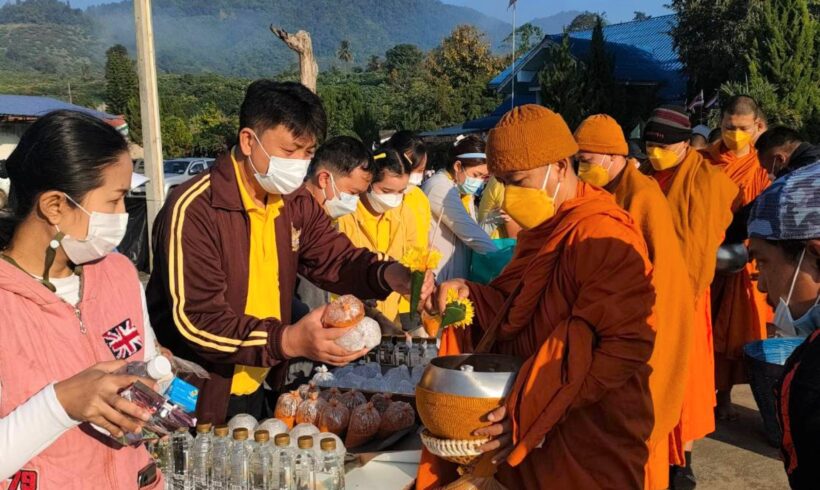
x: 71, y: 312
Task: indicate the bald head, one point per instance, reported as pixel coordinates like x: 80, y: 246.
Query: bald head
x: 742, y: 105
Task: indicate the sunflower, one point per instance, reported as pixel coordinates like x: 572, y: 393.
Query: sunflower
x: 459, y: 312
x: 420, y: 259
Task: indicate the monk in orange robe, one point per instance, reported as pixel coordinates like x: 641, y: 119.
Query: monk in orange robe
x: 580, y: 412
x: 700, y: 196
x: 602, y: 162
x: 739, y: 310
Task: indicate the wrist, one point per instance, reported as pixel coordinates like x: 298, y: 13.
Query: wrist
x: 287, y: 343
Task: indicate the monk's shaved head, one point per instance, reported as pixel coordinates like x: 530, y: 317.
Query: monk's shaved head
x: 742, y: 105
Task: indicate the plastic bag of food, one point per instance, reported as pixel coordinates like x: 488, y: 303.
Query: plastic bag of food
x: 381, y: 401
x: 286, y: 407
x: 273, y: 426
x: 353, y: 399
x: 398, y: 416
x: 302, y: 430
x: 323, y: 376
x: 309, y: 410
x: 242, y: 421
x: 334, y: 418
x: 330, y: 394
x: 364, y: 425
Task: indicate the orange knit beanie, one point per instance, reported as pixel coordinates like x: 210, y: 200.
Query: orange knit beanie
x: 601, y: 134
x: 528, y: 137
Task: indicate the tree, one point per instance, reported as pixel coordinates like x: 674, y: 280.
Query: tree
x: 177, y: 139
x: 366, y: 126
x: 641, y: 16
x: 586, y: 21
x: 563, y: 83
x: 784, y: 54
x: 526, y: 37
x: 403, y: 58
x: 344, y: 53
x: 374, y: 63
x: 601, y: 87
x: 711, y: 39
x: 463, y: 57
x: 120, y: 79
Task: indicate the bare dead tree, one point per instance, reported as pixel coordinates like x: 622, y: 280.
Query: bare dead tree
x: 303, y: 46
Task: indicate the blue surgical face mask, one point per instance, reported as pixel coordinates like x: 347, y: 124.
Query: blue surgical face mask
x: 806, y: 324
x: 471, y: 185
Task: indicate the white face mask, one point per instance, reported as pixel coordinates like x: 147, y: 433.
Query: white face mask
x: 381, y: 203
x: 416, y: 178
x: 284, y: 175
x: 105, y: 232
x: 341, y: 205
x: 806, y: 324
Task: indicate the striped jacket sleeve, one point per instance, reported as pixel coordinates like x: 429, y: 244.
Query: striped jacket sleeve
x: 196, y: 289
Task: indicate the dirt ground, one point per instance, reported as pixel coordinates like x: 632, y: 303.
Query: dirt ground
x: 737, y: 456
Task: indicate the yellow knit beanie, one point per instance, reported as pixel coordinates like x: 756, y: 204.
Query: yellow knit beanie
x: 528, y: 137
x: 601, y: 134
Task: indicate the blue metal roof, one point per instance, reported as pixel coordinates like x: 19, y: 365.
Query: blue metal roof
x: 36, y: 106
x: 485, y: 123
x: 643, y: 50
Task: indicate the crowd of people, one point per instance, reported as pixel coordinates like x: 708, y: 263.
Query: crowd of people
x: 638, y: 277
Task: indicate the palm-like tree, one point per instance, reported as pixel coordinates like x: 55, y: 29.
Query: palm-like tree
x: 344, y: 53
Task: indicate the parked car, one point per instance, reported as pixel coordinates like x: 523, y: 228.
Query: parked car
x: 176, y: 171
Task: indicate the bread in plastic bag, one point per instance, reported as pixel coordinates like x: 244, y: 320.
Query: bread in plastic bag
x: 343, y: 312
x: 242, y: 421
x: 286, y: 407
x: 302, y: 430
x: 334, y: 418
x: 364, y: 425
x: 309, y: 410
x: 306, y: 389
x: 398, y: 416
x: 364, y: 335
x: 273, y: 426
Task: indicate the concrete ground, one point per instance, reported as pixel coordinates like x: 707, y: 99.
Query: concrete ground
x: 737, y: 456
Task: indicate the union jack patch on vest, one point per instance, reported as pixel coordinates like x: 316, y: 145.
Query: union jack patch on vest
x: 124, y: 340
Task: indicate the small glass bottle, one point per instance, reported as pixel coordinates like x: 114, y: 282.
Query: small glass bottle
x: 240, y: 460
x: 330, y: 472
x: 262, y: 462
x: 220, y: 459
x: 304, y: 465
x: 202, y: 457
x: 283, y: 463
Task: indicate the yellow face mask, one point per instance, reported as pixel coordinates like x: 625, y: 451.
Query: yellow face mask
x: 736, y: 140
x: 661, y: 158
x: 594, y: 173
x: 530, y: 207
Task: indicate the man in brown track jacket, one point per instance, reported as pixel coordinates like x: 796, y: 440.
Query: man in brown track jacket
x: 227, y: 249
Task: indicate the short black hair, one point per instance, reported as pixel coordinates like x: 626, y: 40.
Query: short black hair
x: 742, y: 105
x: 468, y: 144
x: 269, y: 103
x: 792, y: 249
x: 389, y: 160
x: 410, y: 144
x: 341, y: 155
x: 777, y: 137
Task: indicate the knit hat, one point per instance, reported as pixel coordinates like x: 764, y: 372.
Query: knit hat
x: 669, y: 124
x: 601, y: 134
x: 528, y: 137
x: 789, y: 209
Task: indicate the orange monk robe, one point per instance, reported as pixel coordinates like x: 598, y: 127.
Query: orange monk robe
x: 582, y: 321
x: 700, y: 197
x: 739, y: 310
x: 646, y: 203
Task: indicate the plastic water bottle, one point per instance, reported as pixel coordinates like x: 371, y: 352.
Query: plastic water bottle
x: 283, y: 463
x: 165, y: 461
x: 330, y: 470
x: 158, y: 369
x: 220, y: 459
x: 304, y: 465
x: 240, y: 460
x: 262, y: 462
x: 182, y: 445
x: 202, y: 457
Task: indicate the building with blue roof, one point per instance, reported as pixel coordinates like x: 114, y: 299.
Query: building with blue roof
x: 645, y: 60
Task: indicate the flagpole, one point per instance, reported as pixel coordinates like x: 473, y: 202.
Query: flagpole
x: 512, y: 99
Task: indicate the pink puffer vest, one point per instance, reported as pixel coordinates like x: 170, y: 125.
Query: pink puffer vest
x: 41, y: 341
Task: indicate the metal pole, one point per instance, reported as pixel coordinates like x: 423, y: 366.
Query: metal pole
x: 512, y: 98
x: 149, y: 111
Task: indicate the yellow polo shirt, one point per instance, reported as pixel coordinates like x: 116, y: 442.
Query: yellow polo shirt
x: 417, y: 201
x: 491, y: 200
x: 263, y: 276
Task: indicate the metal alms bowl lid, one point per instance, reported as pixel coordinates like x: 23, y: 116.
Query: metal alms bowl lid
x: 472, y: 375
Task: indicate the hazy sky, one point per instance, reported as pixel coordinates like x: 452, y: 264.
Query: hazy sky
x: 616, y: 11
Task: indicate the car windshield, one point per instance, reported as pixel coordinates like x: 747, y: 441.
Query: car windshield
x: 176, y: 166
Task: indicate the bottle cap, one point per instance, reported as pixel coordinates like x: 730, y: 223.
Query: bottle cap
x: 221, y: 430
x: 282, y: 440
x: 203, y: 428
x: 158, y: 367
x: 182, y: 429
x: 261, y: 436
x: 328, y: 444
x: 240, y: 434
x: 305, y: 442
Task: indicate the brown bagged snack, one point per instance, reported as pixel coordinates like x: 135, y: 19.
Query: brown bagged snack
x: 344, y: 312
x: 306, y: 389
x: 353, y: 399
x: 309, y: 410
x: 286, y: 407
x: 398, y: 416
x: 364, y: 425
x: 330, y: 394
x: 381, y: 401
x: 334, y: 418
